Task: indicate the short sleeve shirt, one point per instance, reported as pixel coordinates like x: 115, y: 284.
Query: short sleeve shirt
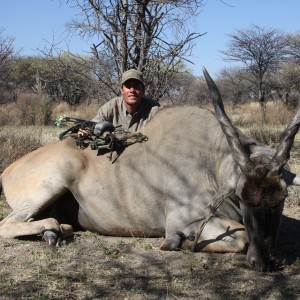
x: 115, y: 112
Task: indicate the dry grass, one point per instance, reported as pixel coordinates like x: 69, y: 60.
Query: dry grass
x: 248, y: 118
x: 82, y: 111
x: 31, y: 109
x: 8, y: 113
x: 15, y: 143
x: 18, y: 137
x: 92, y: 266
x: 245, y: 115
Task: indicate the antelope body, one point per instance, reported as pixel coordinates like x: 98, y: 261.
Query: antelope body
x: 163, y: 187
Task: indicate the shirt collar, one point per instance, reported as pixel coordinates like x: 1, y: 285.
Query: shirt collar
x: 126, y: 112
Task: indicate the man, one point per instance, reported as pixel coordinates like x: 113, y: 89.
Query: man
x: 131, y: 110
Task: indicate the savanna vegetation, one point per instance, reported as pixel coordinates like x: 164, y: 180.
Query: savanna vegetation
x: 91, y: 266
x: 260, y: 96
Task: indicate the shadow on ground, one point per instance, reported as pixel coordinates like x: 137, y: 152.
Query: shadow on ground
x: 288, y: 244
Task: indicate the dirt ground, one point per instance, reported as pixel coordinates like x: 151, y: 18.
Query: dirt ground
x: 91, y: 266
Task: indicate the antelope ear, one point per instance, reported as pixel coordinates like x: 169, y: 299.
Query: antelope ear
x: 290, y: 178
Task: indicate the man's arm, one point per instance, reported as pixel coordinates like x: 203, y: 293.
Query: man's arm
x: 106, y: 111
x: 104, y: 115
x: 100, y: 116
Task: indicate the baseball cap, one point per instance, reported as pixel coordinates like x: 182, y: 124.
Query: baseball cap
x: 132, y: 74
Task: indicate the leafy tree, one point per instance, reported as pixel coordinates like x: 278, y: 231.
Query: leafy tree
x: 261, y: 50
x: 24, y: 70
x: 60, y: 78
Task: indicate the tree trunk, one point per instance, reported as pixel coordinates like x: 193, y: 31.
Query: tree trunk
x: 263, y: 106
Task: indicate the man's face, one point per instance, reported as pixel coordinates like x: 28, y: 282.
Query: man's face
x: 132, y: 91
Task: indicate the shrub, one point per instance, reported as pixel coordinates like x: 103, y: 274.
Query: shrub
x: 246, y: 115
x: 82, y: 111
x: 13, y: 145
x: 266, y: 135
x: 8, y: 113
x: 34, y: 109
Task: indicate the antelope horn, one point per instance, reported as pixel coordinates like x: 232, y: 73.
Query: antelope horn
x: 239, y: 154
x: 282, y: 154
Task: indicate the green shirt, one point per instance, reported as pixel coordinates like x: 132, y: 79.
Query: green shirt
x: 114, y: 111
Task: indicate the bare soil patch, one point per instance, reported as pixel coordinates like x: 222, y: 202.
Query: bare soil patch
x: 91, y: 266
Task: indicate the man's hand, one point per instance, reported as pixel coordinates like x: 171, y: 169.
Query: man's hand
x: 100, y: 128
x: 83, y: 132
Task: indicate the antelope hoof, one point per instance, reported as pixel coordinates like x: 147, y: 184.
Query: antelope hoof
x: 173, y: 242
x: 52, y: 238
